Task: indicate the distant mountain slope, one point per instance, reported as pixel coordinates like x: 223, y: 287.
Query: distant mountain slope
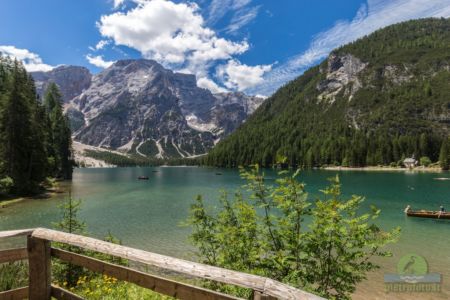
x: 71, y: 80
x: 374, y: 101
x: 141, y: 108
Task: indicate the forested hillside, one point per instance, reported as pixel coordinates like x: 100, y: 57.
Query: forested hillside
x: 372, y: 102
x: 35, y: 139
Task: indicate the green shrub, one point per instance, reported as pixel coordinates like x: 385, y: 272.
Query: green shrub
x: 6, y: 184
x: 425, y: 161
x: 109, y: 288
x: 262, y: 231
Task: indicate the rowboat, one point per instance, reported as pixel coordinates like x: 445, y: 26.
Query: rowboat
x: 428, y: 214
x: 143, y: 178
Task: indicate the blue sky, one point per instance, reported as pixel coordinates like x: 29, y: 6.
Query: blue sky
x: 253, y: 46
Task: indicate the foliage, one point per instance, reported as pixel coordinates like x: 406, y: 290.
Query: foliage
x: 13, y: 275
x: 444, y: 159
x: 276, y: 231
x: 26, y: 137
x: 71, y: 276
x: 60, y: 140
x: 6, y: 184
x: 137, y: 160
x: 425, y: 161
x: 108, y: 288
x: 65, y: 272
x: 389, y: 117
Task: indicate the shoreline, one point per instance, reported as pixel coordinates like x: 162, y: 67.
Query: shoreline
x: 48, y: 193
x: 385, y: 168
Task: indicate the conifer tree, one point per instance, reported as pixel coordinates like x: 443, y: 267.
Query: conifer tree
x: 60, y: 135
x: 443, y: 156
x: 70, y: 222
x: 16, y: 132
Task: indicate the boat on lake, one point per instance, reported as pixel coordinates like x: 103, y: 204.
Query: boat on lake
x: 430, y: 214
x: 143, y: 178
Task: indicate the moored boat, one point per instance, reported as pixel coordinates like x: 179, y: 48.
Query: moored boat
x: 143, y: 178
x: 430, y: 214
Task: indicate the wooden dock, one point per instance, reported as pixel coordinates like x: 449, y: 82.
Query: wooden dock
x: 39, y: 253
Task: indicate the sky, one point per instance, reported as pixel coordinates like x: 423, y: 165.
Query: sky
x: 253, y: 46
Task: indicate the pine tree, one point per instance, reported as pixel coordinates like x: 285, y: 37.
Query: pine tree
x: 16, y: 132
x: 59, y: 133
x: 443, y: 156
x: 65, y: 273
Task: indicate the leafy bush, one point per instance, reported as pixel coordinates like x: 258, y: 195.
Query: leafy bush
x: 276, y: 231
x: 6, y: 184
x: 425, y: 161
x: 109, y: 288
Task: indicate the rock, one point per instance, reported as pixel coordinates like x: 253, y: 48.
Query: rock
x: 138, y: 106
x: 71, y: 80
x: 342, y: 73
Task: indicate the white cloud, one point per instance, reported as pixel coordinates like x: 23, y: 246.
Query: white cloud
x: 218, y: 9
x: 98, y: 61
x: 100, y: 45
x: 31, y: 61
x: 118, y: 3
x: 207, y: 83
x: 240, y: 76
x: 176, y: 35
x: 171, y: 33
x: 370, y: 17
x: 241, y: 13
x: 242, y: 18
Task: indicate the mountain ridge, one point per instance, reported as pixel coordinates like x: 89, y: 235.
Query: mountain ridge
x: 139, y: 107
x: 374, y: 101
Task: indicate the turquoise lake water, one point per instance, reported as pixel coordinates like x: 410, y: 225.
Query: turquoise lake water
x: 147, y: 214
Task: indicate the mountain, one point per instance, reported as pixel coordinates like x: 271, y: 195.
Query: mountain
x: 375, y: 101
x: 71, y: 80
x: 139, y: 107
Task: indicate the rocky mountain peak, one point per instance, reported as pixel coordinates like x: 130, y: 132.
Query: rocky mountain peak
x: 139, y: 107
x: 71, y: 80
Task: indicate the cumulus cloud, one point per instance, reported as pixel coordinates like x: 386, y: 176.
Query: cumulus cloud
x: 240, y: 76
x: 370, y: 17
x: 98, y: 61
x: 171, y: 33
x: 177, y: 36
x: 207, y: 83
x: 31, y: 61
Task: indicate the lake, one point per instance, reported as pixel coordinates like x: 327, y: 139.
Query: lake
x: 147, y: 214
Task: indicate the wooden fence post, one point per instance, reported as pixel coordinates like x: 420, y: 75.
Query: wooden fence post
x: 39, y: 269
x: 260, y: 296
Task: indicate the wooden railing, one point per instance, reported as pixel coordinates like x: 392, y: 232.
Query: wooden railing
x: 39, y: 253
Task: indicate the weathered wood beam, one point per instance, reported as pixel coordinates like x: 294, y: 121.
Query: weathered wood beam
x: 14, y: 233
x: 16, y: 294
x: 11, y: 255
x: 160, y: 285
x: 264, y: 285
x: 39, y: 262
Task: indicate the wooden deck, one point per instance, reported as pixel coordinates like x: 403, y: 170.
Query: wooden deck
x: 39, y: 253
